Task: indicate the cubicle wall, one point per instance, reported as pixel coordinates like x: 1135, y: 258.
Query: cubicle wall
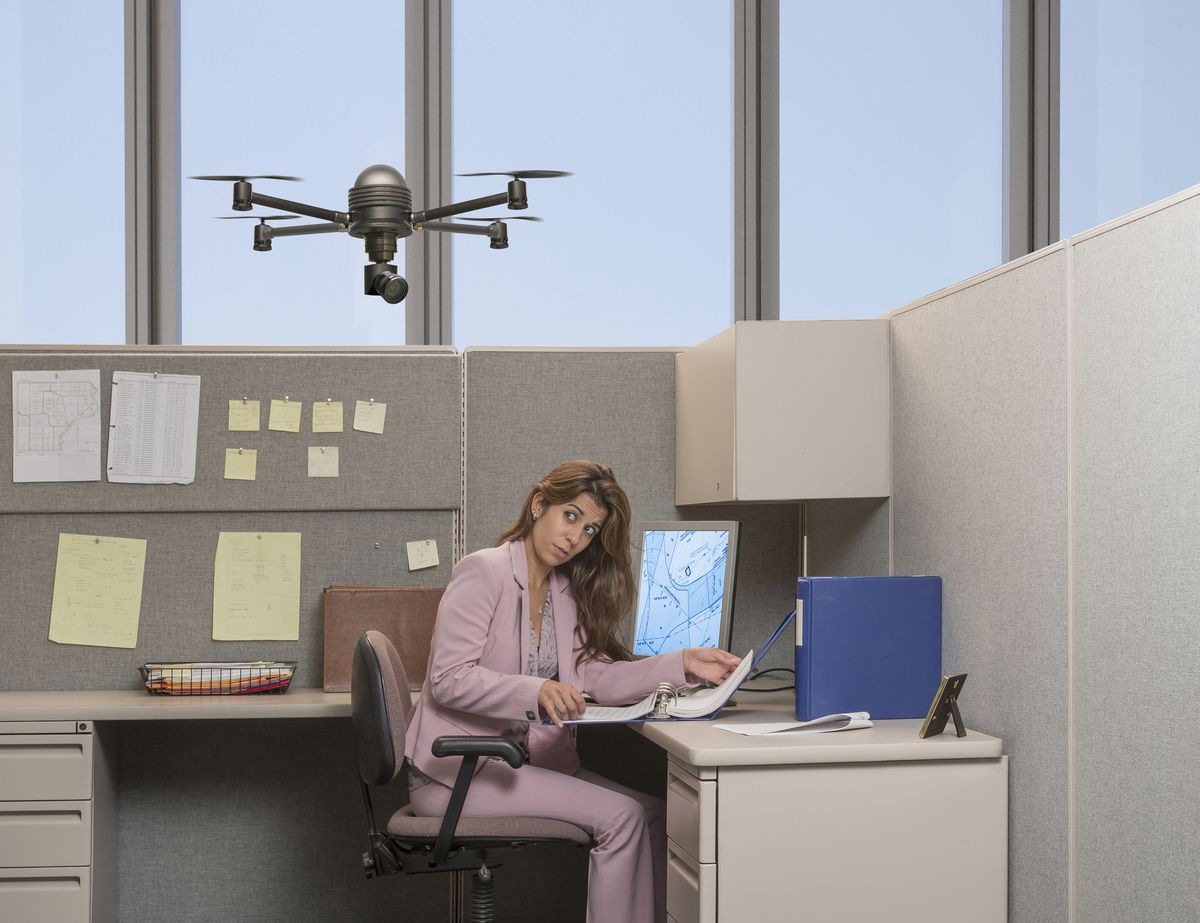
x: 391, y: 489
x: 233, y: 819
x: 1045, y: 432
x: 528, y: 410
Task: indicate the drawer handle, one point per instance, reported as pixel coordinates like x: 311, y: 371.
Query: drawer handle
x: 40, y: 884
x: 74, y: 751
x: 14, y: 818
x: 684, y: 869
x: 683, y: 790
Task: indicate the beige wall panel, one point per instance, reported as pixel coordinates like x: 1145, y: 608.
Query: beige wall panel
x: 980, y: 498
x: 1137, y: 586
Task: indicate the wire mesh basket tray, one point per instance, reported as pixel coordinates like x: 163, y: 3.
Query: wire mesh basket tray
x: 256, y: 678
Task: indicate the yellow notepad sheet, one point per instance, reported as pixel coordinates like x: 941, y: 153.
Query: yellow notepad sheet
x: 97, y: 590
x: 256, y: 587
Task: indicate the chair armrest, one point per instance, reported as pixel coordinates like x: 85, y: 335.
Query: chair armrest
x: 501, y: 747
x: 470, y: 749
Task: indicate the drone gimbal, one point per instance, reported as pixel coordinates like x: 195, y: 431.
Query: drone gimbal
x: 380, y: 213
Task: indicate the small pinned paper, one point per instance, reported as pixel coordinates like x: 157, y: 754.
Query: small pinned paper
x: 244, y: 416
x: 327, y: 416
x: 322, y: 461
x: 368, y: 416
x: 422, y: 554
x: 241, y: 464
x: 285, y: 416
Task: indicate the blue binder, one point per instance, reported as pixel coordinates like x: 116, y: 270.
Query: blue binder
x: 870, y: 644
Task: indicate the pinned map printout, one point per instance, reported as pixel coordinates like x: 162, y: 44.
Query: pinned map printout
x: 56, y: 426
x: 681, y: 590
x: 97, y: 590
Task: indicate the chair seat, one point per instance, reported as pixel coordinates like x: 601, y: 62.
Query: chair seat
x: 405, y: 825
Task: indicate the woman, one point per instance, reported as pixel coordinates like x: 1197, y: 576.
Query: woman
x: 522, y: 631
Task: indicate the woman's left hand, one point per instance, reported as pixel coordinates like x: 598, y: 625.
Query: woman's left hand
x: 710, y: 663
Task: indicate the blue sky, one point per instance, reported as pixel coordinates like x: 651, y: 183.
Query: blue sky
x: 890, y: 157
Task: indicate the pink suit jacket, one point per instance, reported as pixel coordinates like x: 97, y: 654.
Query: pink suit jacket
x: 474, y: 684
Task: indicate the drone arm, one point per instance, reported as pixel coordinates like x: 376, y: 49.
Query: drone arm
x: 295, y: 230
x: 457, y: 208
x: 483, y: 230
x: 257, y: 198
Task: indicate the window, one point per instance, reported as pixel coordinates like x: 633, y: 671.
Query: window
x: 62, y: 172
x: 295, y: 89
x: 1129, y: 81
x: 890, y: 152
x: 635, y: 99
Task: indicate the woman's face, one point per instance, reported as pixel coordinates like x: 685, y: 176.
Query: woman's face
x: 563, y: 530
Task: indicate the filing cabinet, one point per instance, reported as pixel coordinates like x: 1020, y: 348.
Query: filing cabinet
x: 57, y: 824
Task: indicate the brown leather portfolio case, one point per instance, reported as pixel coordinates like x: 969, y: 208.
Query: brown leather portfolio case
x: 405, y: 614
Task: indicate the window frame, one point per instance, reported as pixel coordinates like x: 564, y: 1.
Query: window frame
x: 152, y: 155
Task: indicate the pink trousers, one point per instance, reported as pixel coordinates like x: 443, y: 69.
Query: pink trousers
x: 627, y: 868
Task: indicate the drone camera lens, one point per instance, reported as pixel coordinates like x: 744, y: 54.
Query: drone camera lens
x: 391, y: 287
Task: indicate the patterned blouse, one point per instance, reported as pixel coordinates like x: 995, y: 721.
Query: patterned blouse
x: 542, y: 661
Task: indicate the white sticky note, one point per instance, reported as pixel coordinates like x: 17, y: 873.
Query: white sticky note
x: 285, y: 416
x: 243, y: 416
x: 322, y: 461
x: 327, y: 416
x: 241, y: 464
x: 422, y: 554
x: 368, y: 416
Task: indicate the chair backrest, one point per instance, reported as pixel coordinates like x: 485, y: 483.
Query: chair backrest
x: 380, y: 701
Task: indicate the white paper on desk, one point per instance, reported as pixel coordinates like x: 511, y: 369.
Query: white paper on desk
x: 845, y: 721
x: 56, y: 425
x: 152, y: 428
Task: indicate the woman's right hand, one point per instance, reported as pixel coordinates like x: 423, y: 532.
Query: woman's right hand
x: 560, y: 701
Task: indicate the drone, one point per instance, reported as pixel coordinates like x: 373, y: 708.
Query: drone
x: 380, y: 213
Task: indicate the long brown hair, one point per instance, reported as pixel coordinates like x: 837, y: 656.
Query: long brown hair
x: 600, y: 575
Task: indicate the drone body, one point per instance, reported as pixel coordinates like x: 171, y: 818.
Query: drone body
x: 379, y: 212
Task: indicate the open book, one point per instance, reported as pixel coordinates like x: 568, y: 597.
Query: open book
x: 843, y: 721
x: 666, y: 702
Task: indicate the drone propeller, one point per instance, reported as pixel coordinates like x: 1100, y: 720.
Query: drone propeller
x: 523, y: 174
x: 504, y: 218
x: 254, y: 217
x: 243, y: 179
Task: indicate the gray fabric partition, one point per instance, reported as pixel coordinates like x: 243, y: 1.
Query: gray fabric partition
x: 176, y: 614
x: 404, y: 468
x: 528, y: 410
x: 980, y: 497
x: 1137, y: 589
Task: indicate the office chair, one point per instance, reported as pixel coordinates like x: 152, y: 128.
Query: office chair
x: 380, y: 702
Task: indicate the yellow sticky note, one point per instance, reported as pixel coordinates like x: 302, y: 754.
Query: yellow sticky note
x: 422, y: 554
x: 322, y: 461
x: 243, y: 416
x: 97, y: 590
x: 256, y: 587
x: 368, y: 416
x: 241, y: 464
x: 327, y: 416
x: 285, y: 416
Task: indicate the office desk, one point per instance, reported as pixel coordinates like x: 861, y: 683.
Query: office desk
x: 872, y: 824
x: 58, y: 788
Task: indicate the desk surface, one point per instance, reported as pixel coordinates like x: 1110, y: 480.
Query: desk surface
x: 703, y: 743
x: 138, y: 705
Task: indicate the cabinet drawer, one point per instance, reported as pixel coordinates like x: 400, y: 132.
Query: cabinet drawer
x: 45, y: 895
x: 45, y: 833
x: 692, y: 813
x: 45, y: 767
x: 691, y: 888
